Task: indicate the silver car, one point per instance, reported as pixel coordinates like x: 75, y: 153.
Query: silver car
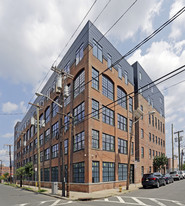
x: 177, y: 175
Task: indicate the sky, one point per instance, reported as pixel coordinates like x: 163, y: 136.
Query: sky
x: 35, y: 34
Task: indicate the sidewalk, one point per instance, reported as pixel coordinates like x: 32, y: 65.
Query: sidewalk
x: 87, y: 196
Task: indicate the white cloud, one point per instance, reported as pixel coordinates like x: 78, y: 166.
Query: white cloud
x: 178, y: 27
x: 22, y: 106
x: 9, y: 107
x: 8, y: 135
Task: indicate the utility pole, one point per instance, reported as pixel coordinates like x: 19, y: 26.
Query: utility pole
x: 172, y: 151
x: 182, y: 154
x: 9, y: 145
x: 178, y: 132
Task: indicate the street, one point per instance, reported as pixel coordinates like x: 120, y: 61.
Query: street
x: 169, y: 195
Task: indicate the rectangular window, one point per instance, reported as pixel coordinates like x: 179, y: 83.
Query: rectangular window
x: 54, y: 107
x: 109, y: 61
x: 149, y: 119
x: 122, y: 123
x: 47, y: 135
x: 107, y: 87
x: 108, y: 142
x: 132, y: 149
x: 54, y: 130
x: 95, y: 139
x: 122, y: 146
x: 126, y: 77
x: 79, y: 113
x: 142, y: 133
x: 153, y: 138
x: 47, y: 154
x: 46, y: 174
x: 142, y: 152
x: 140, y: 75
x: 47, y: 115
x: 54, y: 151
x: 79, y: 141
x: 153, y: 153
x: 156, y: 122
x: 54, y: 174
x: 130, y: 104
x: 150, y: 137
x: 108, y: 171
x: 65, y: 146
x: 156, y: 139
x: 121, y: 97
x: 66, y: 122
x: 153, y: 120
x: 141, y: 107
x: 42, y: 156
x: 130, y: 125
x: 67, y: 100
x: 150, y: 153
x: 108, y: 116
x: 95, y: 78
x: 67, y: 67
x: 163, y: 143
x: 79, y: 172
x: 122, y: 171
x: 95, y: 171
x: 95, y: 109
x: 97, y: 50
x: 119, y: 71
x: 79, y: 84
x: 79, y: 54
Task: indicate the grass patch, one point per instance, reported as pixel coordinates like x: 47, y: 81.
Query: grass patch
x: 28, y: 188
x: 41, y: 190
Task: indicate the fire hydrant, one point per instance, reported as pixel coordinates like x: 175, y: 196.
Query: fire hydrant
x: 120, y: 188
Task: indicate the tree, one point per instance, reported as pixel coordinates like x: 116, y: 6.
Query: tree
x: 29, y: 169
x: 159, y: 162
x: 6, y: 175
x: 20, y: 172
x: 183, y: 167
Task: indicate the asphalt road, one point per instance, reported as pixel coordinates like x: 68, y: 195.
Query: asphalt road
x: 169, y: 195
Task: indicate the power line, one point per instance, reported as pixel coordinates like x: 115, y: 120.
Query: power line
x: 64, y: 48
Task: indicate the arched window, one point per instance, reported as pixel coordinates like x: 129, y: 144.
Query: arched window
x: 79, y: 83
x: 122, y: 97
x: 107, y: 87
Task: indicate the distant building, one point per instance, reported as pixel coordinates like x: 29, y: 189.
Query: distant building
x: 100, y: 140
x: 169, y: 165
x: 6, y: 169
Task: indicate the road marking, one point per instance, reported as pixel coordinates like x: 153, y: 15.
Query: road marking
x: 45, y: 202
x: 55, y: 203
x: 106, y: 199
x: 156, y: 201
x: 178, y: 203
x: 24, y: 204
x: 120, y: 199
x: 138, y: 201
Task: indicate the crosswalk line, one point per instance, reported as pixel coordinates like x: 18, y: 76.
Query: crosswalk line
x: 157, y: 202
x: 138, y: 201
x: 178, y: 203
x: 120, y: 199
x: 106, y: 199
x: 55, y: 203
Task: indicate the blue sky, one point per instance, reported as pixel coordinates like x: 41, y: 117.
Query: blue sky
x: 33, y: 34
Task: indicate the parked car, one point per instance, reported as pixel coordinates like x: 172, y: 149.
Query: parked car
x: 176, y: 175
x: 168, y: 178
x: 153, y: 180
x: 183, y: 173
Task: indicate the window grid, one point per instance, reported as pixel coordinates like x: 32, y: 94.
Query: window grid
x: 54, y: 151
x: 130, y: 104
x: 122, y: 97
x: 97, y: 50
x: 108, y: 142
x: 79, y: 141
x: 95, y: 172
x: 46, y: 154
x: 47, y: 115
x: 108, y: 116
x: 55, y: 107
x: 54, y: 174
x: 79, y: 84
x: 108, y: 171
x: 122, y: 122
x: 95, y: 109
x: 95, y: 139
x: 79, y: 54
x: 107, y: 87
x: 122, y: 146
x: 95, y: 78
x: 122, y: 171
x: 54, y: 129
x: 78, y: 172
x: 79, y: 113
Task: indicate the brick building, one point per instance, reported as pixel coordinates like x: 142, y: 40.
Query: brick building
x: 99, y: 152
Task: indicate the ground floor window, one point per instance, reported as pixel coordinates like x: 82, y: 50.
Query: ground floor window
x: 108, y: 171
x: 95, y: 172
x: 78, y: 172
x: 122, y: 171
x: 46, y: 174
x: 54, y: 174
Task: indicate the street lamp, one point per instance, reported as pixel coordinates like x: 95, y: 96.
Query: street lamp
x: 137, y: 114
